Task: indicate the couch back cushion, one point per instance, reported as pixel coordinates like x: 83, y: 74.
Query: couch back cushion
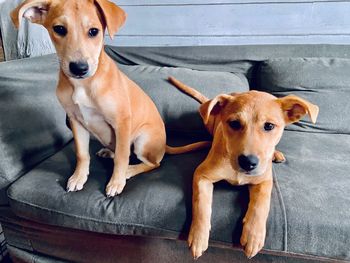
x: 322, y: 81
x: 178, y: 110
x: 32, y: 122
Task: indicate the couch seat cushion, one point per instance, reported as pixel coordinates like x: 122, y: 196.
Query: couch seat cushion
x: 323, y: 81
x: 310, y: 211
x: 314, y: 184
x: 157, y: 203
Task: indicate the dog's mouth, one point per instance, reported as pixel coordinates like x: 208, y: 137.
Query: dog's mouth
x: 252, y: 173
x: 79, y: 76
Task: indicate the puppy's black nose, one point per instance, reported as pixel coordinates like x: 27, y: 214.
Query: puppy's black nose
x: 78, y: 68
x: 248, y: 163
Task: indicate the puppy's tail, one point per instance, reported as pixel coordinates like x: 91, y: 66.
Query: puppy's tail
x: 201, y: 99
x: 187, y: 148
x: 188, y: 90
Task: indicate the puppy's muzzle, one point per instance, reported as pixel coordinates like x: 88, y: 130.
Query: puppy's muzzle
x: 248, y: 163
x: 78, y: 69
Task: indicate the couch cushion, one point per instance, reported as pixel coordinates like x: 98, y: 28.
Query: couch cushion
x: 157, y: 203
x: 310, y: 211
x: 314, y: 183
x: 31, y: 118
x: 322, y: 81
x: 179, y: 111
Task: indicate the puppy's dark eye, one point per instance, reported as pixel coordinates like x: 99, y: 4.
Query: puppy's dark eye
x: 60, y: 30
x: 235, y: 125
x: 268, y: 126
x: 93, y: 32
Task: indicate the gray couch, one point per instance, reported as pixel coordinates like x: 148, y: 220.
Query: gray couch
x: 149, y: 222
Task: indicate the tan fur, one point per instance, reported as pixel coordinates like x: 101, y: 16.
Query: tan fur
x: 253, y: 109
x: 103, y: 101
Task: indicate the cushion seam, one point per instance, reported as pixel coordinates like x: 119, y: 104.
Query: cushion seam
x: 299, y: 255
x: 283, y: 208
x: 2, y: 176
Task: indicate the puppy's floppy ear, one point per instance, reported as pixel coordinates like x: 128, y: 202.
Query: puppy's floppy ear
x: 33, y: 10
x: 113, y: 15
x: 213, y: 107
x: 294, y: 108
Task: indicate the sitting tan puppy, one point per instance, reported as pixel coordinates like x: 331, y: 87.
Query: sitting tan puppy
x: 98, y: 98
x: 246, y: 128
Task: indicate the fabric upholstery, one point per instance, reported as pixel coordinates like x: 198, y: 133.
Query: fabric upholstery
x: 3, y: 197
x: 323, y: 81
x: 147, y: 250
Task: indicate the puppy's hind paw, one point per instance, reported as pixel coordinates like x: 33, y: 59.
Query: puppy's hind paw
x: 105, y: 153
x: 278, y: 157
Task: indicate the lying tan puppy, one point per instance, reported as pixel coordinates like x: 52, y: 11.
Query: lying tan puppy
x: 246, y: 128
x: 97, y: 97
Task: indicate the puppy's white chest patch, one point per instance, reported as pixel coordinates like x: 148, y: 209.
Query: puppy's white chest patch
x: 86, y: 106
x: 86, y: 112
x: 80, y: 98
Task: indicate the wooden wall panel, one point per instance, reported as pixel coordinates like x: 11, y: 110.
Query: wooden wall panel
x: 229, y: 22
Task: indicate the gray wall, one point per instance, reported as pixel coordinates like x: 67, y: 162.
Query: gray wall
x: 233, y: 22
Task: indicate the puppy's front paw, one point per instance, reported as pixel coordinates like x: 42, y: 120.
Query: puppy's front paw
x: 76, y: 182
x: 253, y: 238
x: 115, y: 187
x: 198, y: 241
